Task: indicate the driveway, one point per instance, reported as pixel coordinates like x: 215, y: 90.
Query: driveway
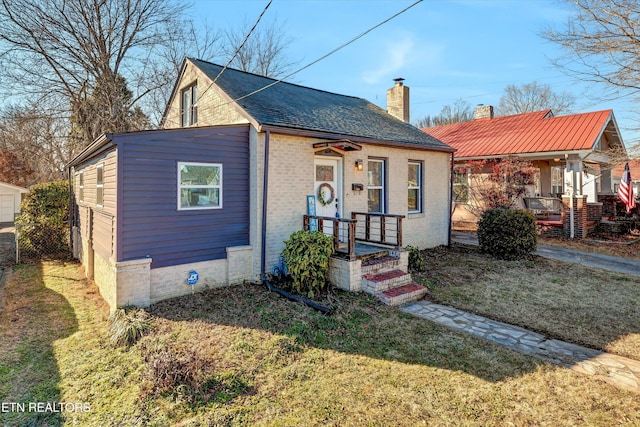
x: 606, y: 262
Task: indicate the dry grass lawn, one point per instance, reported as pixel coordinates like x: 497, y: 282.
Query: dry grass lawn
x: 571, y: 302
x: 271, y: 362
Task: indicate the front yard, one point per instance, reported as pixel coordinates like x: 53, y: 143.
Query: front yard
x: 268, y: 361
x: 591, y: 307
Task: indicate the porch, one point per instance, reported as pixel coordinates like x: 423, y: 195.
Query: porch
x: 368, y: 256
x: 363, y: 235
x: 554, y: 216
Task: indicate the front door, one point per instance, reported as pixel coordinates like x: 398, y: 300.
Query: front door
x: 327, y: 187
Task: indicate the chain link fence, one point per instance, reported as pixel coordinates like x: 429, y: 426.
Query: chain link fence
x: 41, y: 241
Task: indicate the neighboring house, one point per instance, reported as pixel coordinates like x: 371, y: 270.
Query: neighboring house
x: 10, y: 198
x: 214, y: 195
x: 570, y: 149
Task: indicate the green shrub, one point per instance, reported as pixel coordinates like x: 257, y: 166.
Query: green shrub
x: 416, y: 262
x: 43, y: 224
x: 507, y: 233
x: 127, y: 326
x: 307, y: 256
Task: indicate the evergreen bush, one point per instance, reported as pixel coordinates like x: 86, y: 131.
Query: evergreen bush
x: 307, y: 256
x: 43, y: 222
x: 507, y: 233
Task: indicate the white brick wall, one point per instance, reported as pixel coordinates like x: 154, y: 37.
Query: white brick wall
x: 345, y: 274
x: 104, y: 275
x: 291, y: 179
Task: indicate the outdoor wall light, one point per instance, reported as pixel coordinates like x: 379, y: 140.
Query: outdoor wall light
x: 556, y: 160
x: 359, y: 165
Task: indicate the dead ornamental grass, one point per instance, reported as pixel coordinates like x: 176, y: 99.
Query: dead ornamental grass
x: 367, y: 364
x: 586, y: 306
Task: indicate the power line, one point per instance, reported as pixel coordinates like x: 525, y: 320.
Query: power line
x: 315, y: 61
x: 324, y: 56
x: 239, y: 47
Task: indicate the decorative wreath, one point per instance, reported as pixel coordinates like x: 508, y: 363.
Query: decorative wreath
x: 331, y: 197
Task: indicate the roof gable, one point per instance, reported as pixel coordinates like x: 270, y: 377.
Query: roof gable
x: 286, y: 105
x: 528, y: 133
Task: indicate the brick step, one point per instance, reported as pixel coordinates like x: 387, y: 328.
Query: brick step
x: 380, y: 282
x: 379, y: 265
x: 403, y: 294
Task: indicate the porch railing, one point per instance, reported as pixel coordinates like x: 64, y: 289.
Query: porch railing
x: 342, y: 229
x: 378, y: 228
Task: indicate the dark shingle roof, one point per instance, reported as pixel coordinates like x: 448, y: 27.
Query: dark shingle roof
x: 299, y: 107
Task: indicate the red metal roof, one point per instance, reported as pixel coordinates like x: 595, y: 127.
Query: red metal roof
x: 536, y: 132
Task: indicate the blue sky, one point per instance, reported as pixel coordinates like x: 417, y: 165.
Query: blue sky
x: 446, y: 50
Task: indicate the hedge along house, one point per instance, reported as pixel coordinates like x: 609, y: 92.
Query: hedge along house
x: 283, y: 157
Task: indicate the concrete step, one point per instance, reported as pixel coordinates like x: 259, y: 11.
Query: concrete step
x: 380, y: 265
x: 383, y: 281
x: 403, y: 294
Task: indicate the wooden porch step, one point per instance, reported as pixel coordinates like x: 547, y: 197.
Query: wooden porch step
x: 403, y: 294
x: 380, y: 282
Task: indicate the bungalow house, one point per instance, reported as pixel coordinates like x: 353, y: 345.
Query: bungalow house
x: 241, y: 163
x: 573, y: 156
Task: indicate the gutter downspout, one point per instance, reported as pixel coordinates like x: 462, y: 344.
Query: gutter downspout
x: 451, y: 206
x: 263, y: 249
x: 72, y: 210
x: 265, y: 191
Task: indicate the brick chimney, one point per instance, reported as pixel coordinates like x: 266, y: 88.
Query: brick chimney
x: 483, y: 112
x: 398, y: 100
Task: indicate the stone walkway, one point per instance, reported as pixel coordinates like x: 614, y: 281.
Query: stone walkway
x: 617, y: 370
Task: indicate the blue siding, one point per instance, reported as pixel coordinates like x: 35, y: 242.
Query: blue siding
x: 149, y: 222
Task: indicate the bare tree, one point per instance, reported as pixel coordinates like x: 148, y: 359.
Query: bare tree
x: 263, y: 53
x: 602, y: 43
x: 70, y: 47
x: 460, y: 111
x: 532, y: 97
x: 493, y: 183
x: 37, y: 143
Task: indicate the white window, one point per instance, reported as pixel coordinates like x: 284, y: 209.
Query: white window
x: 100, y: 184
x: 376, y: 190
x: 557, y: 180
x: 199, y: 186
x: 81, y: 186
x: 460, y: 186
x: 414, y: 200
x: 189, y: 105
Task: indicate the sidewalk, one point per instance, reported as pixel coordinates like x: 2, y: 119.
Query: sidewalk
x: 606, y: 262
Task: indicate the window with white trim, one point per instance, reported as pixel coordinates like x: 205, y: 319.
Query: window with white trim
x: 376, y: 187
x: 414, y: 186
x: 557, y: 180
x: 461, y: 185
x: 199, y: 186
x: 81, y: 186
x: 189, y: 105
x: 100, y: 185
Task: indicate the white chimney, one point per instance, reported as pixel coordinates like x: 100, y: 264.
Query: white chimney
x: 483, y: 112
x: 398, y: 100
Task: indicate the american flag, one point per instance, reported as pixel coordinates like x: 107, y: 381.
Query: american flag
x: 625, y: 190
